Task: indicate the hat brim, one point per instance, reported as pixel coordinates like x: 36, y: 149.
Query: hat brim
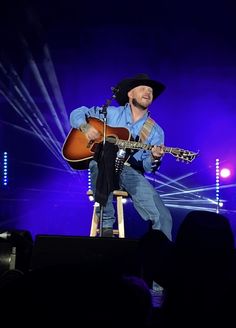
x: 128, y: 84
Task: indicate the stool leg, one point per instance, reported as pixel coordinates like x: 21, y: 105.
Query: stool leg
x: 120, y: 217
x: 94, y: 224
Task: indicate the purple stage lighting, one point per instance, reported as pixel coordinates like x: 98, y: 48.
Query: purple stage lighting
x: 225, y: 172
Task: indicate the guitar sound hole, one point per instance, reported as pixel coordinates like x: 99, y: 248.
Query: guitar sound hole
x: 93, y: 148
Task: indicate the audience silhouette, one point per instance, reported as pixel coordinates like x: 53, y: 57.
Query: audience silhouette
x: 92, y: 294
x: 200, y: 284
x: 197, y: 272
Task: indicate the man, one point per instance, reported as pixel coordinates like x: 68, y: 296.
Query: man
x: 134, y: 96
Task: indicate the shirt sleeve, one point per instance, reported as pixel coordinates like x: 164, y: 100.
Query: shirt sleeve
x: 78, y: 115
x: 156, y: 138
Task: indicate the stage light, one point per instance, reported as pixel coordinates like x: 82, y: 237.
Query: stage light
x: 217, y: 185
x: 15, y: 250
x: 89, y: 180
x: 5, y: 169
x: 7, y: 257
x: 225, y: 172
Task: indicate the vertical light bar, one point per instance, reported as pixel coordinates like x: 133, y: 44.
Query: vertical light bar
x: 217, y: 185
x: 89, y: 179
x: 89, y: 185
x: 5, y: 170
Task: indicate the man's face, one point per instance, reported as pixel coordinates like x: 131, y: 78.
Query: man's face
x: 142, y: 94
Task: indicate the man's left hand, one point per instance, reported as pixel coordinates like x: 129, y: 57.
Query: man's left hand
x: 158, y: 151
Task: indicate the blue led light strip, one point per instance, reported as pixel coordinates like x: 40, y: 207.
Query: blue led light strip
x: 5, y: 170
x: 217, y: 185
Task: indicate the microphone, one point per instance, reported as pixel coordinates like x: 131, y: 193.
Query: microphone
x: 115, y: 90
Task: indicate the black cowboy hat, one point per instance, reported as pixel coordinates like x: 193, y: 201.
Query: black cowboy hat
x: 124, y: 86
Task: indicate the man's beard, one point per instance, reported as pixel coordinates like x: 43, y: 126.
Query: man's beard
x: 138, y: 105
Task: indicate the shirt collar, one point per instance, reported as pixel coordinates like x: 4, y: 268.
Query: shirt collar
x: 128, y: 111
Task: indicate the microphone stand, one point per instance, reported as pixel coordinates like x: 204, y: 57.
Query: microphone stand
x: 103, y: 111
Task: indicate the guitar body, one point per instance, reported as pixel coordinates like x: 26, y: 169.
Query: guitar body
x: 77, y: 150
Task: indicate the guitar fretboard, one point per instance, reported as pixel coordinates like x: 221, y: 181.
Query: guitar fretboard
x: 184, y: 155
x: 137, y: 145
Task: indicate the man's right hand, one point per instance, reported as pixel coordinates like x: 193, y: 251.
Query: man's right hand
x: 90, y: 132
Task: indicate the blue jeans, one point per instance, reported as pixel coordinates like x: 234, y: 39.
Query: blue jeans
x: 145, y: 199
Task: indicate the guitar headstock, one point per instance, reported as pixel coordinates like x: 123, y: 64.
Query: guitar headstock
x: 183, y: 155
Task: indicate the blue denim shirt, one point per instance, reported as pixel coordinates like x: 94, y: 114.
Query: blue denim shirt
x: 121, y: 117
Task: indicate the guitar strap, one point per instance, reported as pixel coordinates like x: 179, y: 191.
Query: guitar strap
x: 146, y: 129
x: 143, y: 135
x: 145, y: 132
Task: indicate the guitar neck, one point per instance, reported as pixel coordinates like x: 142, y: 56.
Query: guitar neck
x: 132, y: 144
x: 138, y: 145
x: 169, y: 149
x: 180, y: 154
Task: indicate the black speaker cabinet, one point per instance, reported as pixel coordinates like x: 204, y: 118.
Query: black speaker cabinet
x: 73, y: 250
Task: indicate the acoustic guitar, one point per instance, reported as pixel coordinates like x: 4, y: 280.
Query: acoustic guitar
x: 77, y: 150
